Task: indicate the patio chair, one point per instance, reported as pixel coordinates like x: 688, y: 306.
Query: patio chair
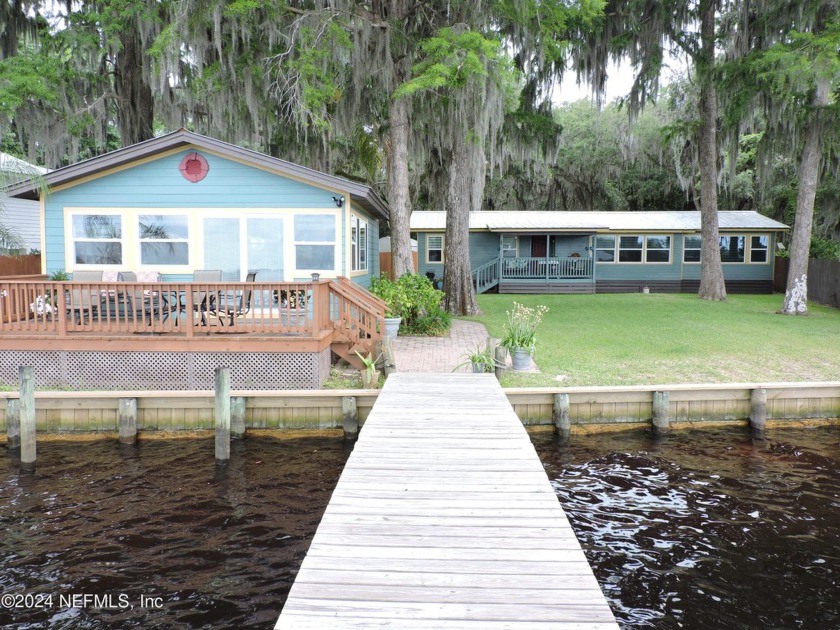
x: 204, y: 302
x: 239, y: 305
x: 84, y: 303
x: 136, y: 302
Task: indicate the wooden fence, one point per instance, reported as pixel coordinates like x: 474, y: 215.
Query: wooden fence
x: 589, y: 408
x: 823, y: 280
x: 28, y: 265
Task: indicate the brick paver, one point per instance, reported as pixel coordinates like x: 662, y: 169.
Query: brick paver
x: 440, y: 354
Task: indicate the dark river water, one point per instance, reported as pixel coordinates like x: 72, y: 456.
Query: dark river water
x: 701, y: 529
x: 707, y: 529
x: 203, y: 547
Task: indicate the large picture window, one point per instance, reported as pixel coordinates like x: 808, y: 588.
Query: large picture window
x: 434, y: 248
x: 358, y: 242
x: 315, y: 241
x: 164, y: 239
x: 97, y: 239
x: 605, y: 249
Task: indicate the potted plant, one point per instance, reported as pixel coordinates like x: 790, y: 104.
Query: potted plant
x: 480, y: 360
x: 43, y: 304
x: 520, y: 336
x: 393, y: 294
x: 370, y: 375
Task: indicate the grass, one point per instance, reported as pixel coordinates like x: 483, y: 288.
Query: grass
x: 635, y: 339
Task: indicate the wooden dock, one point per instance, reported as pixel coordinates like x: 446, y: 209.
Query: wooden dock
x: 444, y: 518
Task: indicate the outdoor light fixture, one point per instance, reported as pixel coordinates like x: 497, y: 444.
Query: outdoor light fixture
x: 339, y: 201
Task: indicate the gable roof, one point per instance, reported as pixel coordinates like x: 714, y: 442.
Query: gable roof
x: 580, y: 221
x: 360, y: 194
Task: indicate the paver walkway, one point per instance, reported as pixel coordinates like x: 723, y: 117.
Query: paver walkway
x: 440, y: 354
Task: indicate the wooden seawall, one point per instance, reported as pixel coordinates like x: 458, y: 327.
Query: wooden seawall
x: 444, y: 518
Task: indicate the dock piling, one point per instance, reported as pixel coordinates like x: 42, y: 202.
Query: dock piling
x: 758, y: 410
x: 127, y: 420
x: 350, y: 412
x: 13, y: 424
x: 500, y: 356
x: 562, y: 416
x: 661, y: 411
x: 28, y: 450
x: 237, y: 417
x: 222, y: 415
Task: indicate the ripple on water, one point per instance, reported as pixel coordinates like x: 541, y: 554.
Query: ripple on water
x: 219, y: 547
x: 707, y: 529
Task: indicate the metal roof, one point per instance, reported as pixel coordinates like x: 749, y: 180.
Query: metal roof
x: 360, y: 194
x: 578, y: 221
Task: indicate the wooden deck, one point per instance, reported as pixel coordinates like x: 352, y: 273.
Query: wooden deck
x: 444, y: 518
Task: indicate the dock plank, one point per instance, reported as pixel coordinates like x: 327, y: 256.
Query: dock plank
x: 444, y: 518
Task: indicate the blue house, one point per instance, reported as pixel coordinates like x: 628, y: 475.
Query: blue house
x: 602, y: 252
x: 184, y: 201
x: 163, y: 209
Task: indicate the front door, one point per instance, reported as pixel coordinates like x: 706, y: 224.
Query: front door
x: 539, y: 247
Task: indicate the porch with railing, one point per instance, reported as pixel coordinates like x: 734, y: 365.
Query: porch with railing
x: 532, y: 269
x: 166, y: 314
x: 553, y: 268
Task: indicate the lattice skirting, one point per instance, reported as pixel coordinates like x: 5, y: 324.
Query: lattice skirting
x: 167, y: 370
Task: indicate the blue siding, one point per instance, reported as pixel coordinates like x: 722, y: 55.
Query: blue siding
x: 159, y: 184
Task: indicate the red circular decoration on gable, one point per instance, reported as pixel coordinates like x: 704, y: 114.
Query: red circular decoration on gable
x: 194, y: 167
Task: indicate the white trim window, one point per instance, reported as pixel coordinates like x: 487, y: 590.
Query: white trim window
x: 434, y: 248
x: 691, y: 248
x: 732, y: 248
x: 605, y: 248
x: 98, y: 239
x: 509, y: 246
x: 630, y: 248
x: 164, y: 239
x: 315, y: 242
x: 759, y: 248
x: 658, y: 249
x: 358, y: 243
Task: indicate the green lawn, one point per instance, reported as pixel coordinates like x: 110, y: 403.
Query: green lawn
x: 635, y: 339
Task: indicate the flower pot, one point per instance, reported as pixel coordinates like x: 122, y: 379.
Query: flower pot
x: 521, y: 359
x: 479, y: 368
x: 392, y: 326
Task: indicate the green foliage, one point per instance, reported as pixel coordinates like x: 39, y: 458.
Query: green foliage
x: 415, y: 299
x: 824, y: 248
x: 479, y: 357
x: 59, y: 276
x: 452, y: 58
x: 521, y: 326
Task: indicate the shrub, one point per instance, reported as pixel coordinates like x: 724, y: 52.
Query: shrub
x: 415, y: 299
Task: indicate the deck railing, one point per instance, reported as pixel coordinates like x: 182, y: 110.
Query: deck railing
x: 356, y: 313
x: 486, y: 276
x: 114, y: 308
x: 554, y: 268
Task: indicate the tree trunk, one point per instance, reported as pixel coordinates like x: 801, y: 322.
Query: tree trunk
x: 135, y: 106
x: 796, y: 293
x: 399, y: 200
x: 712, y: 285
x: 457, y: 274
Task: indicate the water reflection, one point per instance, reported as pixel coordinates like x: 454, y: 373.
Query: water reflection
x: 707, y: 529
x: 219, y: 546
